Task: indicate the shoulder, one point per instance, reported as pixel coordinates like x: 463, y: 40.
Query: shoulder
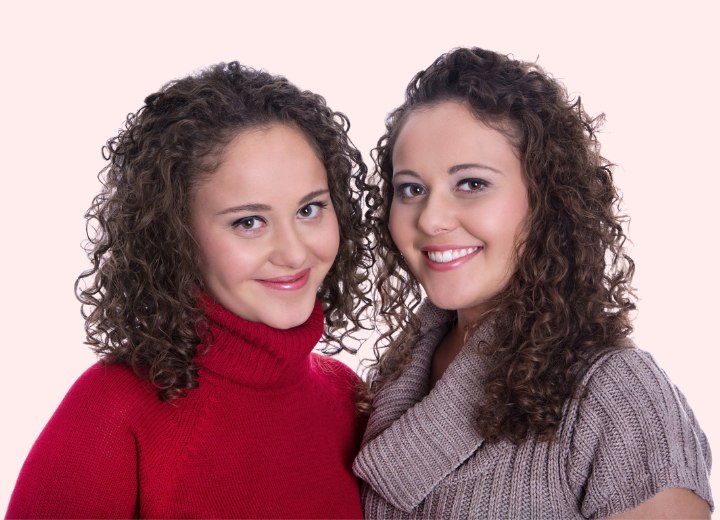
x: 87, y: 450
x: 107, y: 374
x: 334, y: 372
x: 626, y: 394
x: 331, y: 365
x: 109, y: 383
x: 108, y: 394
x: 626, y: 365
x: 628, y: 385
x: 339, y: 388
x: 632, y: 434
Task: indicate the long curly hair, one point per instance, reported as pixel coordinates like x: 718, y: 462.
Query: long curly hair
x: 140, y: 298
x: 570, y: 298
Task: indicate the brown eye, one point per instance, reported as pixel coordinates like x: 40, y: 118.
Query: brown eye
x: 472, y: 185
x: 306, y: 211
x: 410, y: 190
x: 248, y: 223
x: 311, y: 210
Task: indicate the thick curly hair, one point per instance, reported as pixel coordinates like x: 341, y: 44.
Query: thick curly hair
x: 140, y: 299
x: 570, y: 298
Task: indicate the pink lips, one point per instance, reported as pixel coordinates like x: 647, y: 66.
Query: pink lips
x: 448, y: 266
x: 292, y: 282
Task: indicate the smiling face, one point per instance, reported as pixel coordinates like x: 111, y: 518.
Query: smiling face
x: 265, y: 226
x: 459, y: 205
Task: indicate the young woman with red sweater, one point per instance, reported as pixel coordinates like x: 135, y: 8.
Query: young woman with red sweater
x: 218, y: 262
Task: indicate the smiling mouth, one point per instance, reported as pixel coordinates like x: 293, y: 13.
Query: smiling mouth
x: 444, y: 257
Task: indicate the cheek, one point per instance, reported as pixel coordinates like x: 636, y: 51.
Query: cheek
x: 221, y: 259
x: 399, y: 225
x: 205, y: 251
x: 518, y: 215
x: 327, y: 239
x: 332, y: 245
x: 508, y: 234
x: 506, y: 221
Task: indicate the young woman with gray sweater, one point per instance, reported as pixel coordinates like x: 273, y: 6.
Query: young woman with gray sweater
x: 513, y: 390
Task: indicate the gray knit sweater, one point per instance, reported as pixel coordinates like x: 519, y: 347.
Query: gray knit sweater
x: 632, y: 436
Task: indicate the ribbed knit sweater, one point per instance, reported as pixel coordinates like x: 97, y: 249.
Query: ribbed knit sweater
x: 632, y: 436
x: 270, y: 432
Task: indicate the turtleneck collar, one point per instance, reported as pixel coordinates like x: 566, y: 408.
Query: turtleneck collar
x: 254, y: 354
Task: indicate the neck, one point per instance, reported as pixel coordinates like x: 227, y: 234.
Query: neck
x: 446, y: 351
x: 470, y: 319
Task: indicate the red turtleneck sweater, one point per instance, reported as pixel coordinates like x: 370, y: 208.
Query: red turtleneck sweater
x: 271, y: 432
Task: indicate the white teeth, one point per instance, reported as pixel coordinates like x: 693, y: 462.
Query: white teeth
x: 443, y: 257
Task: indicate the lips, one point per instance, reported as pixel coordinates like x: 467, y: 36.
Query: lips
x: 449, y: 255
x: 291, y: 282
x: 446, y: 258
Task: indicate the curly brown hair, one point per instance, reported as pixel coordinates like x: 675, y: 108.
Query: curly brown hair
x: 140, y: 298
x: 570, y: 298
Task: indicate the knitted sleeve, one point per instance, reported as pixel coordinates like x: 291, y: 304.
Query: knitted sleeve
x: 633, y: 436
x: 83, y: 464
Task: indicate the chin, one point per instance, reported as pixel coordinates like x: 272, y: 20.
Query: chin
x: 453, y: 301
x: 286, y: 324
x: 444, y: 305
x: 444, y: 300
x: 285, y: 318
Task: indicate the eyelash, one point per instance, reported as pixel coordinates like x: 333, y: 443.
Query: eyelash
x: 239, y: 223
x: 482, y: 184
x: 320, y: 204
x: 253, y: 220
x: 401, y: 190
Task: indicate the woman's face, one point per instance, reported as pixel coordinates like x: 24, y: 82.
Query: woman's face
x: 459, y: 205
x: 266, y: 227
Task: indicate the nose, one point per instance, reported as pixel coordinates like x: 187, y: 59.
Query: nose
x: 438, y: 215
x: 288, y: 247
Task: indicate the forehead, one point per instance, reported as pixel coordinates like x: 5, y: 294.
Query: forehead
x: 450, y: 131
x: 268, y: 139
x: 264, y: 161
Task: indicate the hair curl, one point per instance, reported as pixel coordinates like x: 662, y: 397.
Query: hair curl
x: 570, y: 298
x: 140, y: 297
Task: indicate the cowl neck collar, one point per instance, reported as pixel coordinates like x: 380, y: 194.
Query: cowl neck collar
x: 416, y: 436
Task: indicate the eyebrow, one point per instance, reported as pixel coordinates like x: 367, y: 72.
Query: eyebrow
x: 264, y: 207
x: 454, y: 169
x: 245, y: 207
x: 472, y: 166
x: 310, y: 196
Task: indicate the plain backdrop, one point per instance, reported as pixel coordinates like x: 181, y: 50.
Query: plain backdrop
x: 71, y: 71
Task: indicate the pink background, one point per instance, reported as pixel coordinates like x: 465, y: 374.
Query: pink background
x: 72, y: 70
